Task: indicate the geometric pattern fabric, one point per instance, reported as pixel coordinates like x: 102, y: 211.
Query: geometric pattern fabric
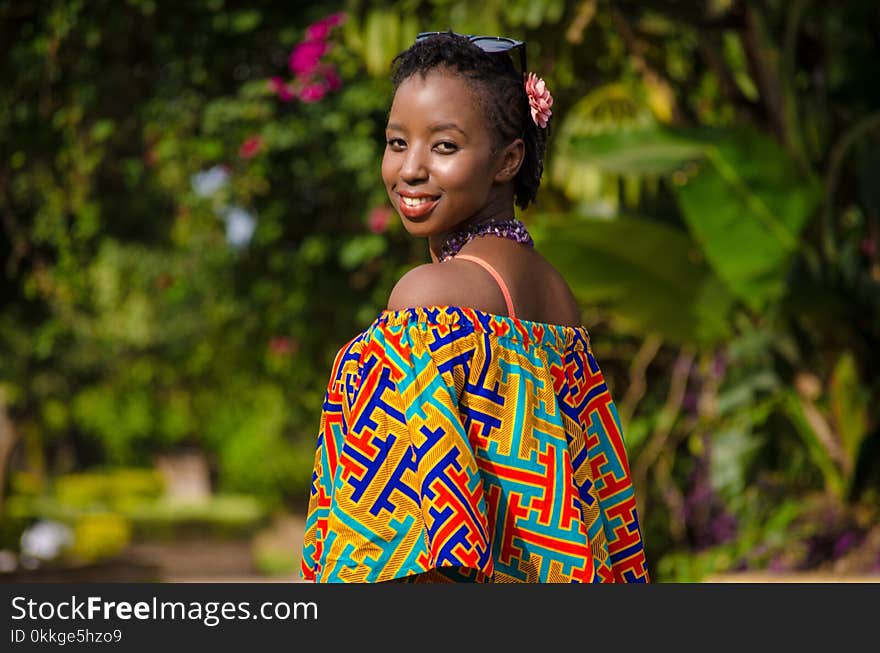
x: 484, y: 447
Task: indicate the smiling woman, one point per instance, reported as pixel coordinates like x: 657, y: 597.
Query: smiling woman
x: 440, y: 163
x: 468, y: 434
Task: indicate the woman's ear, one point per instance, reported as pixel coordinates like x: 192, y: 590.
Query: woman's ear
x: 509, y: 160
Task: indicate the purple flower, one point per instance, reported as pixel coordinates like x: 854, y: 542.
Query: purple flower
x: 844, y: 543
x: 723, y: 527
x: 719, y: 365
x: 689, y: 401
x: 778, y: 563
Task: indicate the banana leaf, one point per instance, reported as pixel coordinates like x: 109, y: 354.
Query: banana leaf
x: 649, y: 276
x: 742, y: 196
x: 645, y: 150
x: 747, y: 207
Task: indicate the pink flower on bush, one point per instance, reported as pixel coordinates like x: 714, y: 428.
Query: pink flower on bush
x: 251, y: 147
x: 331, y: 77
x: 305, y: 57
x: 313, y: 92
x: 281, y: 89
x: 317, y: 31
x: 540, y: 100
x: 313, y: 79
x: 320, y: 29
x: 379, y: 219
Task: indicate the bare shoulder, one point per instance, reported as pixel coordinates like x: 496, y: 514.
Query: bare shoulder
x: 452, y: 283
x: 424, y: 285
x: 555, y: 303
x: 538, y: 290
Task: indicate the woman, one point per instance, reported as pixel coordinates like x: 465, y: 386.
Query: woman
x: 467, y: 433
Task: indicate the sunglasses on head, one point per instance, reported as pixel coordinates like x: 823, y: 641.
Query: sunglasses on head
x: 489, y: 44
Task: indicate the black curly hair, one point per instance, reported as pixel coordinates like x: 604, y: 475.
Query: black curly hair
x: 501, y: 92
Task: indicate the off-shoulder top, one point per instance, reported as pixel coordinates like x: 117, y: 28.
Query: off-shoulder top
x: 485, y: 447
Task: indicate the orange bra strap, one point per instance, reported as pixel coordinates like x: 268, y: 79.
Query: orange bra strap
x: 497, y: 277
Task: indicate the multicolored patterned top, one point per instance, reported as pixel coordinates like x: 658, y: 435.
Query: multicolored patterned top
x: 483, y: 446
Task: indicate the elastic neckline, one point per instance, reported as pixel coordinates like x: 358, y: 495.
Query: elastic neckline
x: 527, y: 332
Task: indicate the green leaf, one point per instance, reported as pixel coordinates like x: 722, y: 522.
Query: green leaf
x: 245, y: 21
x: 849, y: 408
x: 102, y: 130
x: 747, y: 207
x: 648, y: 275
x: 361, y: 249
x: 383, y: 35
x: 646, y: 150
x: 608, y: 110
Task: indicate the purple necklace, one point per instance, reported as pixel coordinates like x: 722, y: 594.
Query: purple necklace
x: 511, y: 228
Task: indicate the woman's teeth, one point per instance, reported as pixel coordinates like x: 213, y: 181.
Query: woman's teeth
x: 416, y: 201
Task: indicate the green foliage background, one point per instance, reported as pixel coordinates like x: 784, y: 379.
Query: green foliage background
x: 709, y: 193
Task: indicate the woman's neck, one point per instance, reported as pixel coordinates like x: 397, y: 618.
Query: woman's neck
x: 495, y: 210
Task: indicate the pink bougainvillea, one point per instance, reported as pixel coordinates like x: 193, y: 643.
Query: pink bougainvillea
x: 281, y: 89
x: 313, y: 78
x: 313, y: 92
x: 321, y: 29
x: 305, y: 57
x: 331, y: 77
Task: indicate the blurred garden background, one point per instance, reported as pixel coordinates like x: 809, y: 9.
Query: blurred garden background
x: 192, y: 222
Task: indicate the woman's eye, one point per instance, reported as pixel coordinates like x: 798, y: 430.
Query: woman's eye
x: 395, y: 142
x: 447, y: 147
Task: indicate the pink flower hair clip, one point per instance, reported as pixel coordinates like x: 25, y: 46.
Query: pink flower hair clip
x: 540, y: 100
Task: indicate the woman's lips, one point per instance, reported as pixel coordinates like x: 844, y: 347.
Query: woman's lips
x: 423, y: 206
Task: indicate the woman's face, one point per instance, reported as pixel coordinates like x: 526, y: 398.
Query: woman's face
x: 438, y: 167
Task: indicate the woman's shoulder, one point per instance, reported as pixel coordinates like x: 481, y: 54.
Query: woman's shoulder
x: 539, y: 291
x: 422, y: 280
x: 438, y: 284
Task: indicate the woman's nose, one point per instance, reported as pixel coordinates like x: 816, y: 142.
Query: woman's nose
x: 413, y: 167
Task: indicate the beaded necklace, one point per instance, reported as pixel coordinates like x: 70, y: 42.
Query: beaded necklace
x: 511, y: 228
